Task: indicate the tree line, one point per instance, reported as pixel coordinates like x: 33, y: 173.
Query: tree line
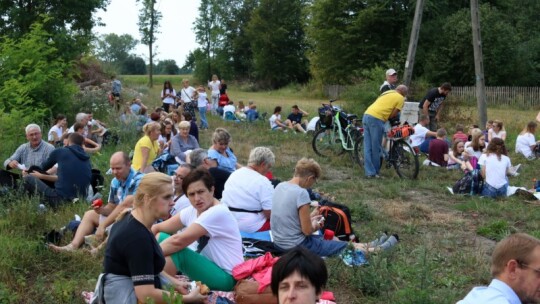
x: 274, y: 43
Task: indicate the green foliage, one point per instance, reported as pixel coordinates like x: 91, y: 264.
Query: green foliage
x: 148, y: 24
x: 167, y: 67
x: 134, y: 65
x: 496, y: 229
x: 278, y: 44
x: 114, y: 49
x: 34, y: 82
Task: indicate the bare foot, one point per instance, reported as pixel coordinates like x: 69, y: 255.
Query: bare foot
x: 67, y: 248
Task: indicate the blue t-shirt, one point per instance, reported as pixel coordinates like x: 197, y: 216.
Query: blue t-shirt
x: 119, y: 190
x: 224, y: 162
x: 295, y: 117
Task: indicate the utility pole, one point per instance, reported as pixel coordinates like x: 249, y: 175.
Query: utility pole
x: 478, y: 64
x: 413, y: 42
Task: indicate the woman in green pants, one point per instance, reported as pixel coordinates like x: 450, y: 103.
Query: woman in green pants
x: 212, y: 226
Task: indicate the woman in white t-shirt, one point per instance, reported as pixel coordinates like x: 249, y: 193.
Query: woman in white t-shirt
x: 495, y: 166
x: 212, y: 225
x: 186, y: 96
x: 214, y: 87
x: 476, y: 146
x: 497, y: 130
x: 168, y: 95
x: 56, y: 131
x: 526, y: 144
x: 458, y: 158
x: 275, y: 120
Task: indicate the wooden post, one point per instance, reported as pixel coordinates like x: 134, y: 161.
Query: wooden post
x: 413, y: 42
x: 478, y: 64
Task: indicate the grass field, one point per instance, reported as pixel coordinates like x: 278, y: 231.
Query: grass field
x: 446, y: 240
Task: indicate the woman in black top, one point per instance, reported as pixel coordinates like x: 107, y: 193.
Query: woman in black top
x: 133, y: 259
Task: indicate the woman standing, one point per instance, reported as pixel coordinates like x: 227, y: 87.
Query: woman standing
x: 57, y: 130
x: 133, y: 258
x: 210, y: 223
x: 168, y: 95
x: 187, y: 98
x: 202, y: 104
x: 214, y: 86
x: 147, y: 148
x: 221, y: 151
x: 183, y: 142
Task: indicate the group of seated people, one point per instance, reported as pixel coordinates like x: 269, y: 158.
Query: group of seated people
x: 296, y: 121
x: 483, y: 149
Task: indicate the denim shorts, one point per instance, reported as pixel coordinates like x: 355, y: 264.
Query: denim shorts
x: 490, y: 191
x: 322, y: 247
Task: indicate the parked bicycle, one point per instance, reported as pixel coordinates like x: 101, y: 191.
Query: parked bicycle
x: 337, y: 131
x: 399, y: 154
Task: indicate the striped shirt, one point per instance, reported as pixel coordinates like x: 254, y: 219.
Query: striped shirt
x: 29, y: 156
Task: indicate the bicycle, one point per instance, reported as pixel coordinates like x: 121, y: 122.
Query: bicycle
x: 400, y: 154
x: 333, y: 138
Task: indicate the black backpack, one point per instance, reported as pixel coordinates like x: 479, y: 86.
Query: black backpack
x: 471, y: 184
x: 337, y: 217
x: 97, y: 181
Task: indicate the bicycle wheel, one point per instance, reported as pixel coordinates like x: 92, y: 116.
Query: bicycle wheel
x: 358, y: 150
x: 326, y: 143
x: 405, y: 160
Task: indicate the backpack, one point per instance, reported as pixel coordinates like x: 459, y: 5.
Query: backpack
x: 337, y: 218
x: 471, y: 184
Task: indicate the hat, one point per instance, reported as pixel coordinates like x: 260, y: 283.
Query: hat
x: 390, y: 72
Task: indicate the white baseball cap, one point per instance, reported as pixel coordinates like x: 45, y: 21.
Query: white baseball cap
x: 390, y: 72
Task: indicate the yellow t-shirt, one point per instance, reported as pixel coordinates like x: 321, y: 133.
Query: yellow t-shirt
x: 385, y: 104
x: 145, y: 142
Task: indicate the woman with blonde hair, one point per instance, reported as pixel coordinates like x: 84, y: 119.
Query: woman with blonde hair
x: 183, y: 143
x: 497, y: 130
x: 133, y: 259
x: 221, y: 151
x: 147, y: 148
x: 476, y: 146
x: 526, y: 144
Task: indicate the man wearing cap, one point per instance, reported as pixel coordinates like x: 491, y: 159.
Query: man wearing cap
x: 391, y: 81
x: 29, y: 154
x: 432, y: 104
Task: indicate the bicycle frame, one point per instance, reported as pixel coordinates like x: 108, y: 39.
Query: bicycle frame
x: 346, y: 143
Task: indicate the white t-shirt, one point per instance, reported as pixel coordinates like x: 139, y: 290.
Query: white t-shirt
x: 273, y: 119
x: 249, y: 190
x: 419, y: 135
x: 55, y: 129
x: 228, y: 108
x: 202, y: 101
x: 469, y: 149
x: 168, y: 100
x: 495, y: 169
x: 181, y: 203
x: 524, y: 143
x: 186, y: 94
x: 214, y: 86
x: 496, y: 135
x: 225, y: 244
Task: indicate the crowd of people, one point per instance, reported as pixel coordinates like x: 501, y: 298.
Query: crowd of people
x: 154, y: 225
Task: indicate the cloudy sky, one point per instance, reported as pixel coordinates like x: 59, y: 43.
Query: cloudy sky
x: 176, y: 39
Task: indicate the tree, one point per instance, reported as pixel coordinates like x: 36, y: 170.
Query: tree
x: 167, y: 67
x: 113, y: 49
x: 69, y: 22
x: 134, y: 65
x: 148, y: 27
x: 278, y: 44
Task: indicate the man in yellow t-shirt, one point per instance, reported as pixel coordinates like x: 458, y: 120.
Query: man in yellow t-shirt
x: 387, y: 106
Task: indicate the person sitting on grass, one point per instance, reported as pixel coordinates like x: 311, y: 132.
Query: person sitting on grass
x: 495, y: 166
x: 210, y: 223
x: 296, y: 120
x: 438, y: 149
x: 251, y: 202
x: 57, y: 130
x: 458, y: 158
x: 422, y: 135
x: 74, y: 174
x: 123, y: 186
x: 293, y: 224
x: 251, y: 112
x: 133, y: 259
x: 298, y: 277
x: 229, y: 110
x: 477, y: 145
x: 147, y: 148
x: 221, y: 151
x: 89, y: 145
x: 193, y: 129
x: 526, y: 144
x: 199, y: 158
x: 497, y: 130
x: 275, y: 120
x: 29, y: 154
x: 182, y: 144
x: 459, y: 135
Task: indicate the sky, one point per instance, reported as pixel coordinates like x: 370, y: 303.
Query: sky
x: 176, y: 39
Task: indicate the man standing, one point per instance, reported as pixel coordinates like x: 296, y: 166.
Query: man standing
x: 32, y: 153
x: 391, y: 81
x: 74, y: 173
x: 432, y: 104
x: 123, y: 186
x: 515, y: 267
x: 388, y: 105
